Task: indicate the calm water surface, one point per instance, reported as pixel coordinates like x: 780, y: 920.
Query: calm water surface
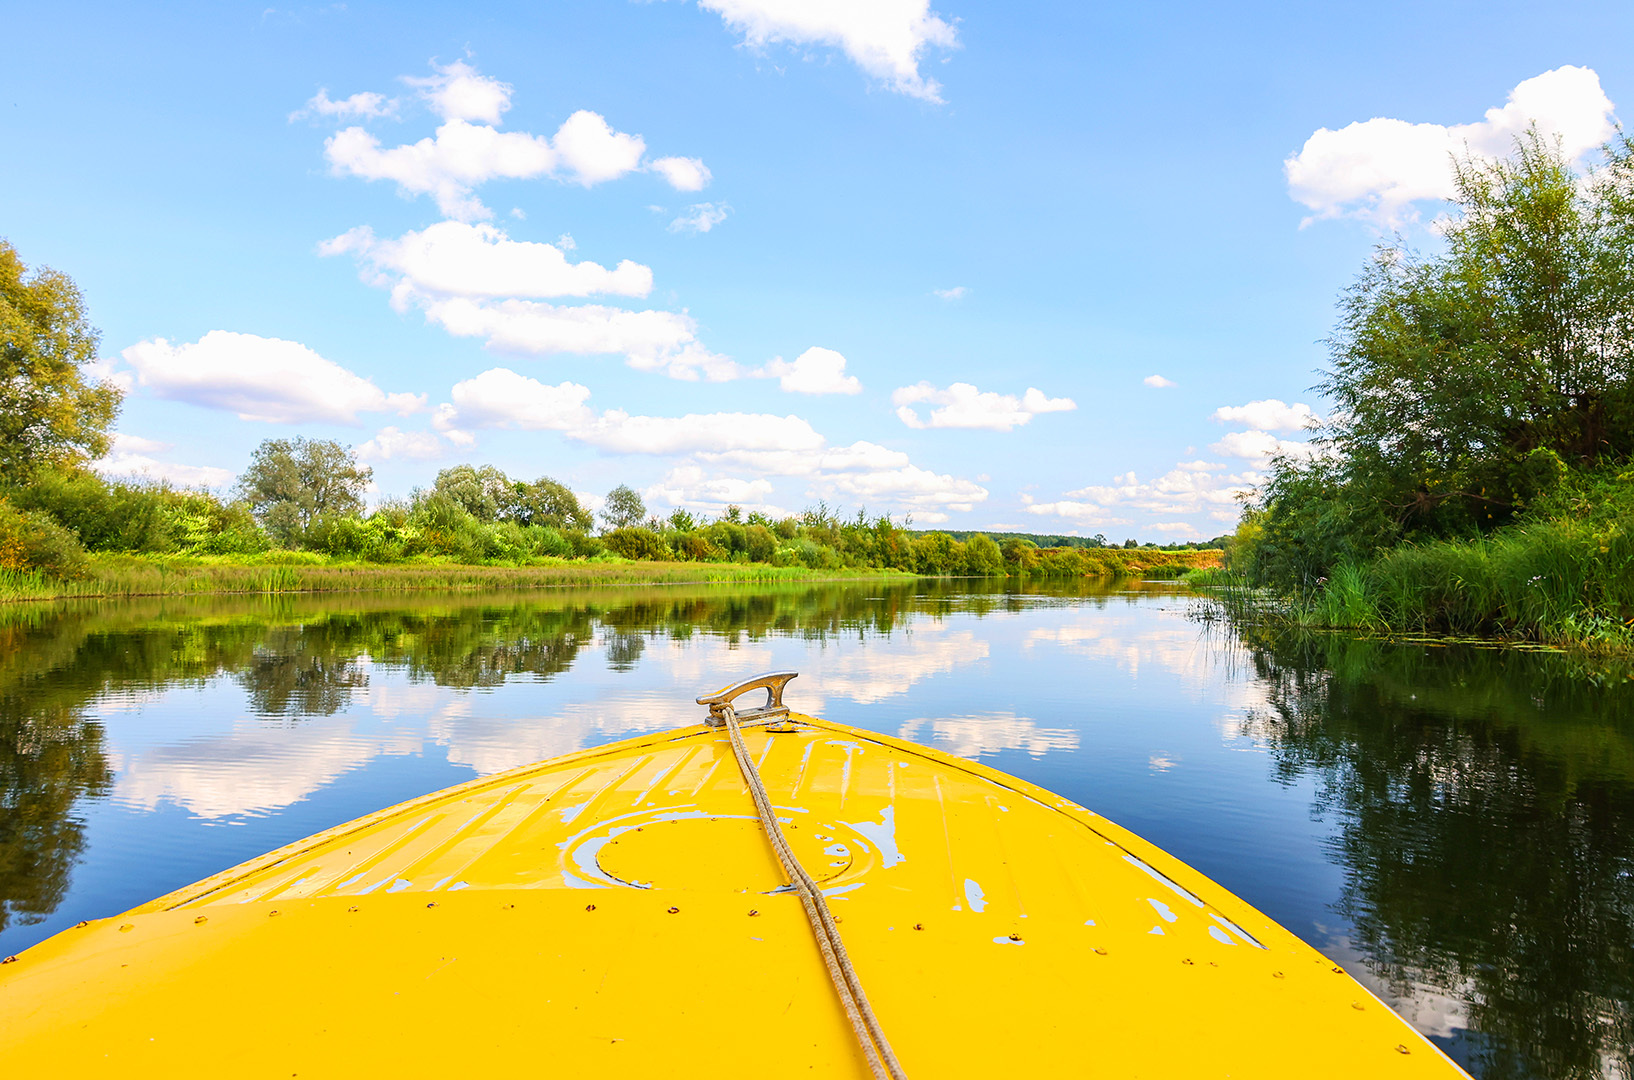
x: 1453, y: 825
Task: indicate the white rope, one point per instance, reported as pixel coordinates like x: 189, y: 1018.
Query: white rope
x: 870, y: 1036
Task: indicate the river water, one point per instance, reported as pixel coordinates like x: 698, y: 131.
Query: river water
x: 1453, y: 825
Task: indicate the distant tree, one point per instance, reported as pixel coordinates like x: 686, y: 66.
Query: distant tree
x: 734, y: 514
x: 50, y: 413
x: 681, y: 521
x: 1131, y: 543
x: 291, y: 482
x: 486, y: 493
x: 547, y: 502
x: 982, y: 557
x: 624, y: 508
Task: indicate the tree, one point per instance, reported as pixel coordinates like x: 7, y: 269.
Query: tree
x: 1467, y: 382
x: 292, y: 482
x: 50, y: 413
x: 624, y: 508
x: 547, y: 502
x: 486, y: 493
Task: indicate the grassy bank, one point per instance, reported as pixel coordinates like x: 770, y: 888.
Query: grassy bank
x: 307, y: 572
x: 1563, y: 574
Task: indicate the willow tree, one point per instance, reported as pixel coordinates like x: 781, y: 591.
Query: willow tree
x: 51, y: 413
x: 1467, y: 380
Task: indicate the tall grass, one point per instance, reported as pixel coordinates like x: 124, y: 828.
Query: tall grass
x: 131, y: 576
x: 1559, y: 581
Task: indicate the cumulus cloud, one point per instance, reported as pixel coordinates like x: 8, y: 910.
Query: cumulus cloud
x: 1157, y: 382
x: 728, y: 457
x: 461, y: 92
x: 683, y: 173
x: 885, y: 38
x: 700, y: 217
x: 391, y: 443
x: 1260, y: 447
x: 1270, y: 414
x: 265, y: 379
x: 662, y: 341
x: 363, y: 106
x: 815, y: 371
x: 468, y: 149
x: 132, y: 456
x: 958, y: 292
x: 452, y: 258
x: 502, y: 398
x: 1377, y: 168
x: 1193, y: 488
x: 964, y: 406
x: 473, y: 280
x: 697, y: 488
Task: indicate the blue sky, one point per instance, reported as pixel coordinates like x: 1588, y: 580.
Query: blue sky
x: 926, y: 260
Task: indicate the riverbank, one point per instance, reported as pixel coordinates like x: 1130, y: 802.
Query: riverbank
x: 1561, y: 575
x: 119, y: 576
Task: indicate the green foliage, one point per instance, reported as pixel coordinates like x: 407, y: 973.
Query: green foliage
x: 31, y: 541
x: 51, y: 416
x: 636, y: 542
x: 982, y: 557
x: 484, y: 492
x: 624, y: 508
x: 290, y: 483
x: 545, y: 502
x: 1467, y: 383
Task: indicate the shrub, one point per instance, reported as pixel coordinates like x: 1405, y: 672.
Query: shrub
x: 636, y: 542
x: 30, y: 540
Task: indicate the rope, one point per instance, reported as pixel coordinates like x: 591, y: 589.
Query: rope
x: 870, y: 1036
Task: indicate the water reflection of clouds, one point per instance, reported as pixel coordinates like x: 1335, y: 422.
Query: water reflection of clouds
x: 231, y: 765
x: 990, y: 733
x: 250, y: 768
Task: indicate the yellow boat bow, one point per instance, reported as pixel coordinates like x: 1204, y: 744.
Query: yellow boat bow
x: 619, y: 912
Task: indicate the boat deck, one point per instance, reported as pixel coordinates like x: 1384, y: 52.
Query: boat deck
x: 619, y: 910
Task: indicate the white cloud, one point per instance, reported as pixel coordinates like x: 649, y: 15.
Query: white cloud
x: 452, y: 258
x: 266, y: 379
x: 964, y: 406
x: 662, y: 341
x: 763, y: 445
x: 1377, y: 168
x: 363, y: 106
x: 594, y: 151
x: 131, y: 456
x: 958, y: 292
x: 500, y: 397
x: 1268, y: 415
x: 700, y: 217
x: 815, y: 371
x: 107, y: 370
x: 1260, y: 447
x: 1182, y: 528
x: 467, y: 149
x: 886, y: 38
x: 919, y: 491
x: 460, y: 92
x: 1157, y: 382
x: 683, y: 173
x: 392, y: 443
x: 1195, y: 488
x: 694, y: 487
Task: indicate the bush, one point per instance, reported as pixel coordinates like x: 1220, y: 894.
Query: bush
x: 636, y: 542
x: 30, y: 540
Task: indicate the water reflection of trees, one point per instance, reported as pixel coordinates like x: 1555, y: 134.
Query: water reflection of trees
x: 1485, y: 809
x: 297, y: 657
